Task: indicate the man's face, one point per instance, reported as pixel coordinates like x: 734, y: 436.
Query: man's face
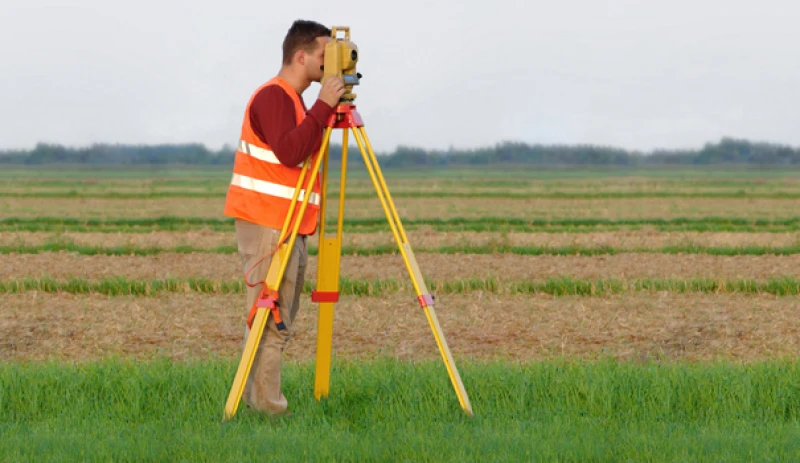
x: 315, y: 59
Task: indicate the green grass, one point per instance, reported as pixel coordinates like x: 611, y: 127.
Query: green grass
x: 386, y: 410
x: 490, y: 248
x: 453, y: 224
x: 121, y: 286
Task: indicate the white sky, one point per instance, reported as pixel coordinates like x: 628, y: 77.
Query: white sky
x: 632, y: 74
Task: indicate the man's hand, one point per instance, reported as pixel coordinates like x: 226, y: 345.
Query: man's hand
x: 332, y: 89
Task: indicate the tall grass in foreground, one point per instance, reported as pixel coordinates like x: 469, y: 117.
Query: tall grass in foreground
x: 387, y: 410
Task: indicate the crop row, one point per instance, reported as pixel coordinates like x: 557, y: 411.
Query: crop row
x: 172, y: 223
x: 120, y: 286
x: 438, y: 194
x: 376, y: 250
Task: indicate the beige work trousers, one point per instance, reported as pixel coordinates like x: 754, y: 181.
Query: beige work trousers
x: 262, y: 391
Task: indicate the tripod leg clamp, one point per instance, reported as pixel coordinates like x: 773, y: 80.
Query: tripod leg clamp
x: 324, y: 296
x: 271, y: 303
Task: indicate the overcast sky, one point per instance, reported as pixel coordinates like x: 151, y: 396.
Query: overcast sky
x: 632, y: 74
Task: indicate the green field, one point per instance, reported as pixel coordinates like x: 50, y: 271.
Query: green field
x: 594, y: 315
x: 396, y: 411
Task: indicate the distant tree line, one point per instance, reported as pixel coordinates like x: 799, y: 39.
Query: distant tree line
x: 727, y: 151
x: 108, y: 154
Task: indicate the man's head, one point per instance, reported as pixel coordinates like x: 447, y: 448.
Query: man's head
x: 304, y: 47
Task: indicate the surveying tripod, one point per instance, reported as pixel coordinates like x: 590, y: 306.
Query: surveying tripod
x: 347, y: 118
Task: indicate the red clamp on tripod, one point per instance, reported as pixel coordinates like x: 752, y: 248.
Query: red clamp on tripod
x: 267, y: 299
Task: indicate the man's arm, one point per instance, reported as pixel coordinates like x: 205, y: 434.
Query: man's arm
x: 272, y: 117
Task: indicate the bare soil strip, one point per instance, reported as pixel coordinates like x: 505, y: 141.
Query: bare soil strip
x: 426, y: 238
x: 415, y: 208
x: 37, y: 326
x: 63, y: 265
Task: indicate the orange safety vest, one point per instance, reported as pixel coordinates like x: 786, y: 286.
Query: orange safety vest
x: 261, y: 188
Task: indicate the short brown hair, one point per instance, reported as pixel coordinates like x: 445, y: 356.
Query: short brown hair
x: 302, y: 36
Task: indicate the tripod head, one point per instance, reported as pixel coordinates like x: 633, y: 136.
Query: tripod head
x: 341, y: 56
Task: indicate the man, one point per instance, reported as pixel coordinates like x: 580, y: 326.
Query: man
x: 278, y: 134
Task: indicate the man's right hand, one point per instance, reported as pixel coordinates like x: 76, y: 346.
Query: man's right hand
x: 332, y: 89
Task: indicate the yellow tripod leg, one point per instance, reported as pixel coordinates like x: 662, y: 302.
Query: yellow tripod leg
x: 272, y: 281
x: 424, y: 297
x: 327, y: 293
x: 253, y: 338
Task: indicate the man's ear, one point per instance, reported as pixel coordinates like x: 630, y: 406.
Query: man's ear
x: 300, y: 55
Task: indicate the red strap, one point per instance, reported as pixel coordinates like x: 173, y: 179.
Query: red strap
x: 324, y: 296
x: 425, y: 300
x: 247, y: 273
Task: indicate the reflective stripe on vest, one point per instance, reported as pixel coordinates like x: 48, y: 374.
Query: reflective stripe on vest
x: 260, y: 153
x: 272, y: 189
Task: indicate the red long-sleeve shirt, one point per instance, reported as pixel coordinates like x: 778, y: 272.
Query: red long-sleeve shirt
x: 272, y: 117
